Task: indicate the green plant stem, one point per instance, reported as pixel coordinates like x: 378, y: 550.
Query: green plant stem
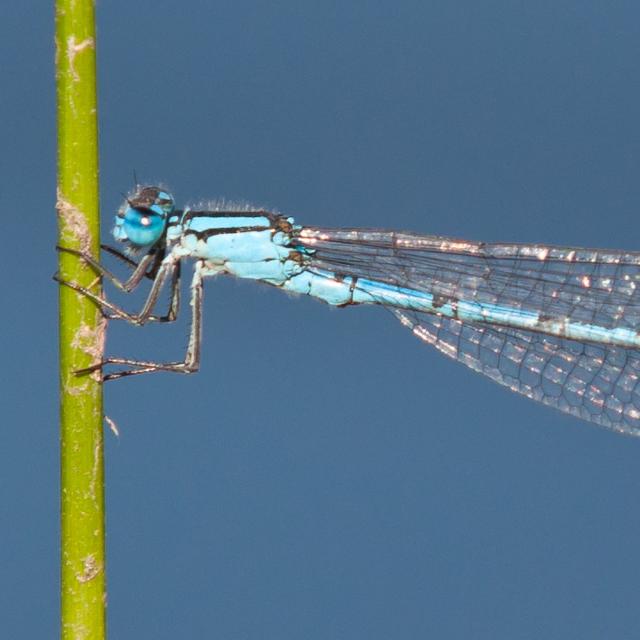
x: 81, y: 327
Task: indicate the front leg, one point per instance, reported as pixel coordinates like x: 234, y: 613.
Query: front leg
x: 147, y: 267
x: 123, y: 257
x: 168, y: 268
x: 151, y: 266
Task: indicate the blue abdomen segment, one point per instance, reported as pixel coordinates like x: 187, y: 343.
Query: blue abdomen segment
x: 336, y: 290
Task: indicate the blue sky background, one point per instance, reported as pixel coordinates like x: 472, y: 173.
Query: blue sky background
x: 326, y: 475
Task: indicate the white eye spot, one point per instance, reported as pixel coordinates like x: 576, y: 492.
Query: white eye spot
x: 145, y: 221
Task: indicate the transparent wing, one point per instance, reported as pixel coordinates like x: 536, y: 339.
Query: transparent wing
x: 582, y: 285
x: 591, y: 381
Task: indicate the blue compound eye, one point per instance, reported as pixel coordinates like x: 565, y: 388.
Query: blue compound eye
x: 141, y: 221
x: 142, y: 227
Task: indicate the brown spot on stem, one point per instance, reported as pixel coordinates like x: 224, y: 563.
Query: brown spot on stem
x: 90, y: 569
x: 73, y: 224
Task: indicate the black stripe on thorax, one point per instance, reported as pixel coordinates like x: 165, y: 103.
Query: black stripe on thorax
x: 253, y: 213
x: 276, y: 222
x: 208, y: 233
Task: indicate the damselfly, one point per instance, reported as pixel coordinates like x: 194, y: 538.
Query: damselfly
x: 558, y: 325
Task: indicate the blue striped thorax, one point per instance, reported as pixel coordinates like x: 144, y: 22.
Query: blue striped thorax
x: 244, y: 242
